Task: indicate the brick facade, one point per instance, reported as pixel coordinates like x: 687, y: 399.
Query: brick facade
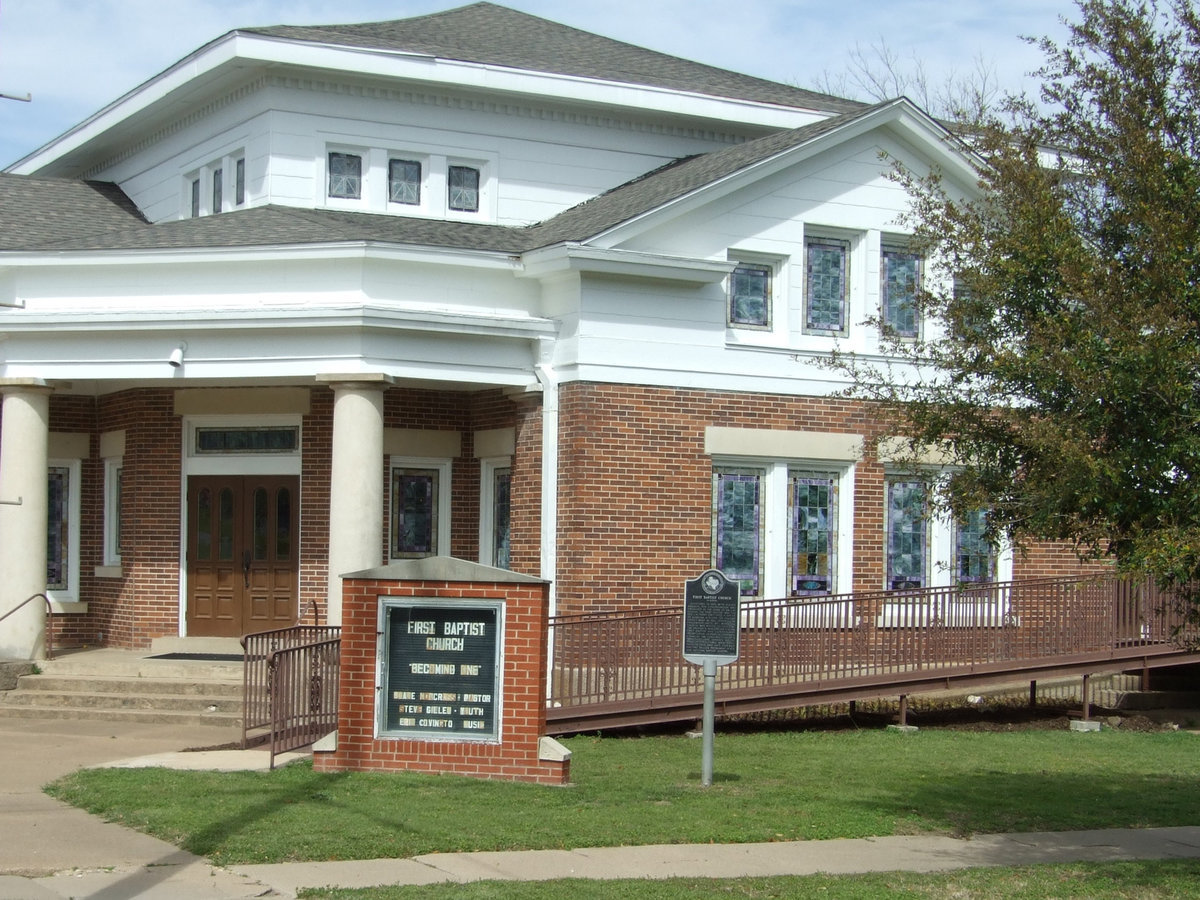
x: 635, y: 494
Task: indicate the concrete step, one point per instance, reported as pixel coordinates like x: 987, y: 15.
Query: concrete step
x: 115, y: 699
x: 135, y: 685
x: 148, y: 716
x: 181, y: 687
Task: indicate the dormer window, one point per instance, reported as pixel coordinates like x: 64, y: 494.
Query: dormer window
x: 239, y: 182
x: 218, y: 190
x: 345, y: 175
x: 462, y: 183
x: 404, y: 181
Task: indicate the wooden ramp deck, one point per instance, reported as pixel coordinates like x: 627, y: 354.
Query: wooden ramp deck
x: 625, y: 668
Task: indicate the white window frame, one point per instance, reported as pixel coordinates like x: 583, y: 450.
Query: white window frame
x: 775, y: 333
x: 74, y: 467
x: 487, y: 188
x: 365, y: 180
x: 113, y: 471
x: 444, y: 468
x: 776, y: 506
x: 488, y: 468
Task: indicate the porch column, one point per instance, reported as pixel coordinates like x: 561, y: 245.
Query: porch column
x: 355, y: 481
x: 24, y: 448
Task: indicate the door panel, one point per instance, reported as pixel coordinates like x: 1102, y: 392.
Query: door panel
x: 241, y: 560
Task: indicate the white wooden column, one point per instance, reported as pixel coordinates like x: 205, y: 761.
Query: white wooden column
x: 355, y: 481
x: 24, y: 447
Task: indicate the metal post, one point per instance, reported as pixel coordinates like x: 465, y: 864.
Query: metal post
x: 1086, y: 698
x: 903, y: 710
x: 1032, y: 694
x: 710, y: 694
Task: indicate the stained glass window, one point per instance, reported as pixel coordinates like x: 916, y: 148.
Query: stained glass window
x: 58, y: 529
x: 404, y: 181
x: 907, y: 535
x: 501, y: 492
x: 738, y: 527
x: 826, y: 294
x: 345, y: 175
x: 901, y: 278
x: 463, y: 188
x: 414, y: 513
x: 750, y: 296
x: 813, y: 532
x: 974, y: 556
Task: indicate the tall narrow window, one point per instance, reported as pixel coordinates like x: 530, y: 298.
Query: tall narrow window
x: 345, y: 176
x: 58, y: 535
x: 974, y: 555
x: 900, y: 281
x: 404, y: 181
x: 195, y: 198
x: 462, y: 184
x: 414, y: 525
x: 501, y: 509
x: 738, y: 527
x: 750, y: 296
x: 113, y: 474
x: 218, y: 193
x: 825, y: 294
x: 239, y: 182
x: 813, y: 533
x: 907, y: 535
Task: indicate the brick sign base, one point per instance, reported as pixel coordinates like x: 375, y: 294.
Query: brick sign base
x: 520, y: 751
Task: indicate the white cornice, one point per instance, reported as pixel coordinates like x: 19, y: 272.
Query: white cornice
x: 267, y: 253
x: 194, y: 78
x: 562, y: 258
x: 367, y: 317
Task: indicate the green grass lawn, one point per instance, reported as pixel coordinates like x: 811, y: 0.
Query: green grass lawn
x: 1150, y: 880
x: 767, y: 787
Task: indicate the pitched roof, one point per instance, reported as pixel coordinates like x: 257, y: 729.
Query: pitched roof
x: 495, y: 35
x: 283, y: 225
x: 41, y: 211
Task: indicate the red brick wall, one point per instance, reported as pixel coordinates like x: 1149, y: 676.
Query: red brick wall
x: 514, y: 756
x: 635, y: 490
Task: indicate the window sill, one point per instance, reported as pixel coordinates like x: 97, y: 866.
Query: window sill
x: 68, y: 607
x: 108, y: 571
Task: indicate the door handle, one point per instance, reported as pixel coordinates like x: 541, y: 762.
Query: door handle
x: 246, y: 566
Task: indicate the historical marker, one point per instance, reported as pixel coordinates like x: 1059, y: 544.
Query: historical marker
x: 711, y: 619
x: 441, y: 666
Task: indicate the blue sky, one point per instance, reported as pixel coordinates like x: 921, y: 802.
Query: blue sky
x: 75, y: 56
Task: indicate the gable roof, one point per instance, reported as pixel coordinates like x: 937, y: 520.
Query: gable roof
x: 495, y: 35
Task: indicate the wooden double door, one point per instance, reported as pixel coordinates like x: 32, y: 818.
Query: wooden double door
x: 242, y: 554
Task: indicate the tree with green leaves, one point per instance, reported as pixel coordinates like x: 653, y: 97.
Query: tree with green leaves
x: 1061, y: 368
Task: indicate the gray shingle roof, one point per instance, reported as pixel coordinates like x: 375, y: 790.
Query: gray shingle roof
x: 495, y: 35
x: 36, y: 211
x: 50, y: 214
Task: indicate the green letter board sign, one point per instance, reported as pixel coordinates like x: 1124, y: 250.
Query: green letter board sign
x: 440, y: 669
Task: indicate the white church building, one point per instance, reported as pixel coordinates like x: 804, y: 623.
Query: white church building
x: 473, y: 284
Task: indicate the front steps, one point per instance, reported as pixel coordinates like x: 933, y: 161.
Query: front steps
x: 133, y: 686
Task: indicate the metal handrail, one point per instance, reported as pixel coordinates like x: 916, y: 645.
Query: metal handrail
x: 49, y: 620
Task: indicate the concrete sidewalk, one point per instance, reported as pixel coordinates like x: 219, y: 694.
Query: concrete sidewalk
x: 50, y: 850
